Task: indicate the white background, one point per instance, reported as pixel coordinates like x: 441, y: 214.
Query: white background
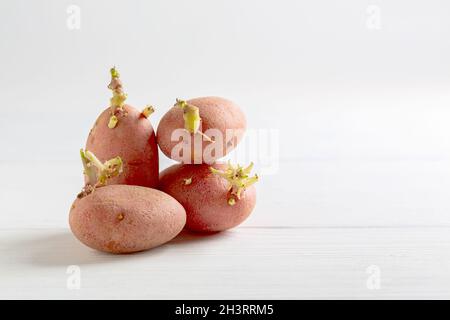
x: 357, y: 90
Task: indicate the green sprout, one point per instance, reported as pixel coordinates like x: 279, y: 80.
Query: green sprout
x: 148, y: 110
x: 112, y: 122
x: 118, y: 98
x: 98, y: 173
x: 114, y: 72
x: 192, y: 119
x: 239, y: 180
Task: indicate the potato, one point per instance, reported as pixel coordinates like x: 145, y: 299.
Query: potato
x: 210, y: 204
x: 125, y: 131
x: 134, y: 140
x: 219, y: 119
x: 124, y: 219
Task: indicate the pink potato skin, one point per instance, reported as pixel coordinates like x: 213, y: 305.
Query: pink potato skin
x: 216, y: 113
x: 134, y: 140
x: 125, y: 219
x: 205, y: 199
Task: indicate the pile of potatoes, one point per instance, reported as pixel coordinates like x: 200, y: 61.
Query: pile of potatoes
x: 127, y: 205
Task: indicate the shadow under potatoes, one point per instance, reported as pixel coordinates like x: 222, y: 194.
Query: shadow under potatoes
x: 188, y: 237
x: 61, y: 248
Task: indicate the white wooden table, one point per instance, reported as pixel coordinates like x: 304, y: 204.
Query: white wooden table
x: 248, y: 263
x: 358, y: 208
